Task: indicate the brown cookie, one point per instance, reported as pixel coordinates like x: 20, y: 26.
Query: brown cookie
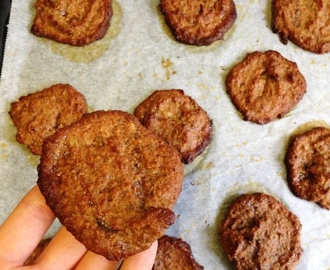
x: 111, y: 182
x: 177, y: 119
x: 37, y: 251
x: 198, y: 22
x: 265, y: 86
x: 307, y: 162
x: 40, y: 114
x: 72, y: 22
x: 259, y: 232
x: 303, y: 22
x: 174, y: 253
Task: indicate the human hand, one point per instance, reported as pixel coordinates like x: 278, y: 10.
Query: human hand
x: 25, y: 227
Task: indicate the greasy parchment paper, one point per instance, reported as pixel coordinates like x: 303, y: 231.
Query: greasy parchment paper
x: 138, y: 56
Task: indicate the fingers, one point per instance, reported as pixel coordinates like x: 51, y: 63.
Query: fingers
x: 27, y: 224
x: 142, y: 261
x: 92, y: 261
x: 24, y: 228
x: 63, y: 252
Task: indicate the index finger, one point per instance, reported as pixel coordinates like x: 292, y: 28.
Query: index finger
x: 24, y: 228
x: 143, y: 260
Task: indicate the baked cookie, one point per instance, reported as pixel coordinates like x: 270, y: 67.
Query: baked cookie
x: 177, y: 119
x: 111, y: 182
x: 37, y: 251
x: 199, y: 22
x: 307, y: 162
x: 72, y: 22
x: 304, y: 23
x: 40, y: 114
x: 259, y: 232
x: 265, y: 86
x: 174, y: 253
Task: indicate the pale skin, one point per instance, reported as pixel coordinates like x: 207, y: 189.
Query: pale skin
x: 25, y: 227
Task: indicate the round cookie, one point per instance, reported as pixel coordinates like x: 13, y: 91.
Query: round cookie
x: 259, y: 232
x: 177, y: 119
x: 174, y: 253
x: 303, y: 22
x: 40, y: 114
x: 265, y: 86
x: 198, y: 22
x: 307, y: 162
x: 72, y: 22
x: 111, y: 182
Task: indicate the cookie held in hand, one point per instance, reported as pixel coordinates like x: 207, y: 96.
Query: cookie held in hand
x: 111, y: 182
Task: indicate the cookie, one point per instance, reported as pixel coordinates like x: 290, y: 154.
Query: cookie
x: 197, y: 22
x: 307, y: 163
x: 111, y: 182
x: 177, y: 119
x: 40, y: 114
x: 174, y: 253
x: 303, y: 22
x: 265, y: 86
x: 72, y: 22
x: 37, y: 251
x: 259, y: 232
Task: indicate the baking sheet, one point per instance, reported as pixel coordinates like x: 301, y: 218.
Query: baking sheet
x: 138, y: 56
x: 4, y: 15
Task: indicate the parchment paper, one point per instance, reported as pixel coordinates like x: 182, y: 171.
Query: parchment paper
x: 140, y: 56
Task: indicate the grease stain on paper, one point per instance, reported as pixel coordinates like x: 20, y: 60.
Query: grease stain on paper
x: 309, y: 125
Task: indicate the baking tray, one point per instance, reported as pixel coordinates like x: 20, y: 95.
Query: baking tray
x: 4, y: 17
x: 138, y: 56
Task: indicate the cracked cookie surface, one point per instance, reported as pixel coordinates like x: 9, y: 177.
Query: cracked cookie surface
x: 72, y: 22
x: 307, y: 162
x: 265, y: 86
x: 178, y: 120
x: 38, y: 115
x: 303, y: 22
x: 111, y: 182
x: 197, y: 22
x: 259, y: 232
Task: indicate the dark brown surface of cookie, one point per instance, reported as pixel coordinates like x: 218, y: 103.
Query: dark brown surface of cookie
x: 177, y: 119
x: 307, y: 162
x: 198, y: 22
x: 40, y: 114
x: 174, y: 253
x: 111, y: 182
x: 259, y: 232
x: 72, y: 22
x: 303, y: 22
x: 265, y: 86
x: 37, y: 251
